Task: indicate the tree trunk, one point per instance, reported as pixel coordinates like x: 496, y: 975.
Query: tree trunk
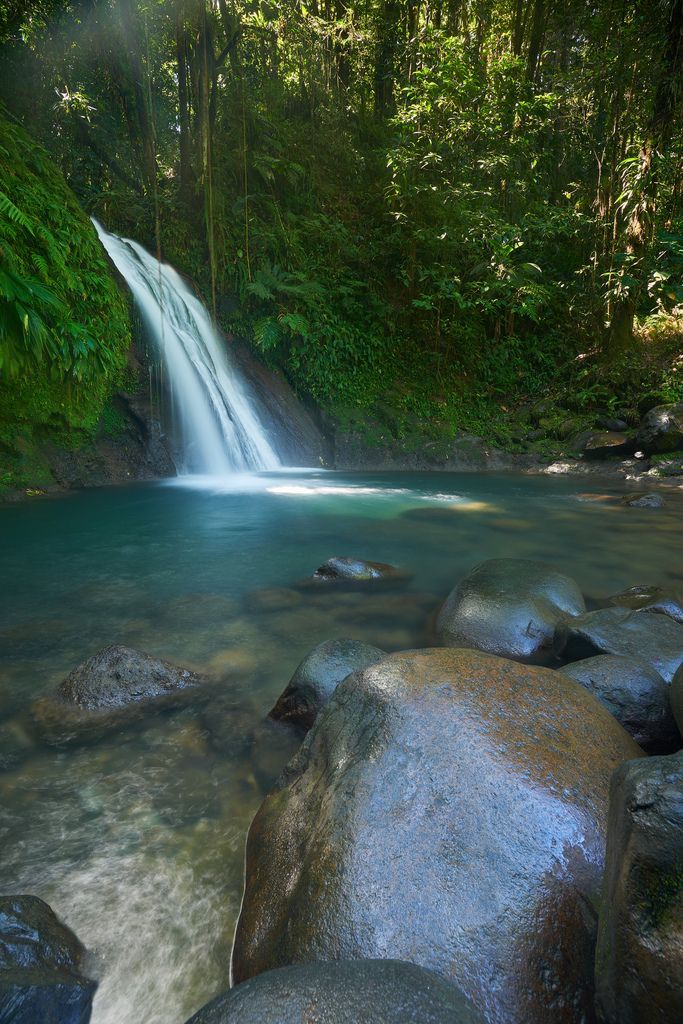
x: 186, y: 172
x: 535, y: 42
x: 385, y: 60
x: 640, y: 229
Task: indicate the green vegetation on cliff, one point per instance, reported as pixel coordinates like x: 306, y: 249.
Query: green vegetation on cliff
x: 64, y: 323
x: 427, y: 214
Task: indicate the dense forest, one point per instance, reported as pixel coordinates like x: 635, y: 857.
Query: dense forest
x: 427, y: 214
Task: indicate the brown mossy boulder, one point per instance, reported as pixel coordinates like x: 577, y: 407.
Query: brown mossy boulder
x: 639, y: 959
x: 342, y: 992
x: 113, y: 688
x: 510, y: 607
x: 447, y: 807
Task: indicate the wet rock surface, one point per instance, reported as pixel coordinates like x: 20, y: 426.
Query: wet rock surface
x: 357, y: 570
x: 650, y: 598
x: 448, y: 807
x: 117, y: 685
x: 639, y: 960
x: 642, y: 499
x: 342, y: 992
x: 510, y: 607
x: 656, y: 639
x: 661, y: 429
x: 40, y: 966
x: 318, y: 676
x: 635, y: 694
x: 676, y: 697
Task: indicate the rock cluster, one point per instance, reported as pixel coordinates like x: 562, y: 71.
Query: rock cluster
x: 449, y: 807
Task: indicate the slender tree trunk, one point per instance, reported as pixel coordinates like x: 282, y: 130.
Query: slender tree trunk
x: 535, y: 42
x: 186, y: 172
x: 136, y: 76
x: 385, y: 61
x: 640, y: 229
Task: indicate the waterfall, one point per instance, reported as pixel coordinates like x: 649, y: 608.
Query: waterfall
x: 219, y: 423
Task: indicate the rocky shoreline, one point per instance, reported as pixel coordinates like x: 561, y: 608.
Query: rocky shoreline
x: 652, y: 457
x: 486, y: 830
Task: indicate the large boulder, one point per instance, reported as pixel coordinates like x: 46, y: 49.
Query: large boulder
x: 635, y: 694
x: 605, y: 443
x: 661, y: 429
x: 40, y: 966
x: 114, y: 687
x: 639, y: 960
x: 342, y: 992
x: 655, y: 638
x: 510, y: 607
x: 318, y: 676
x: 651, y: 598
x: 448, y: 807
x: 676, y: 697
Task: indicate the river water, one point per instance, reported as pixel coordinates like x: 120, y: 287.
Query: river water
x: 137, y: 841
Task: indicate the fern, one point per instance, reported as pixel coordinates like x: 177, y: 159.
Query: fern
x: 8, y: 209
x: 267, y: 333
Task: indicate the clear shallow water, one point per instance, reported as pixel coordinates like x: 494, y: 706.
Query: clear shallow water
x: 137, y: 842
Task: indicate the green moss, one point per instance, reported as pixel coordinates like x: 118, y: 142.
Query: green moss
x: 663, y: 891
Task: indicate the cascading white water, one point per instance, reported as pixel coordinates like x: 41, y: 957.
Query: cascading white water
x: 221, y: 430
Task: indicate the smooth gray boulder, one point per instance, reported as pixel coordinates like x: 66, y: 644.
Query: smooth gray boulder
x: 318, y: 676
x: 661, y: 430
x: 114, y: 687
x: 639, y: 957
x: 635, y: 694
x: 510, y: 607
x: 342, y: 992
x: 449, y: 807
x: 656, y: 639
x: 40, y: 966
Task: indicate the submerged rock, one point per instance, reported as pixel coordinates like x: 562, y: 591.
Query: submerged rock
x: 448, y: 807
x: 650, y: 598
x: 317, y: 677
x: 342, y: 992
x: 635, y: 694
x: 357, y: 570
x: 115, y: 686
x: 641, y: 499
x: 40, y: 966
x: 509, y: 607
x: 639, y: 960
x: 15, y: 743
x: 654, y: 638
x: 661, y: 429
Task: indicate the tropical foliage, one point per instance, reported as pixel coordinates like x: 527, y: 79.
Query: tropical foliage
x: 64, y: 324
x: 430, y: 207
